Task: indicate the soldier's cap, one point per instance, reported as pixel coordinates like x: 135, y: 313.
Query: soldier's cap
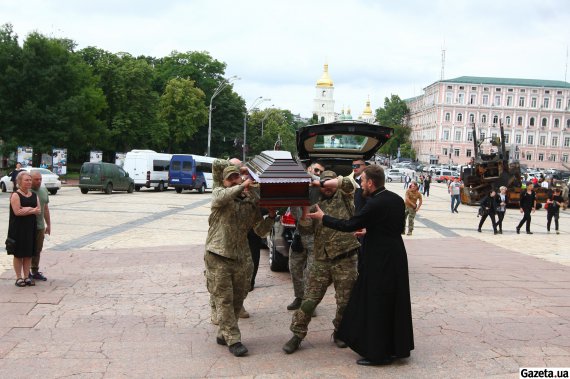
x: 229, y: 171
x: 328, y: 174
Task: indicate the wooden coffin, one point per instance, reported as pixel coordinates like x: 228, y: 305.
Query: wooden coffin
x: 282, y: 181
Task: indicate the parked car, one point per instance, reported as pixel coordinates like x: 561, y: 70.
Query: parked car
x: 445, y: 175
x: 49, y: 180
x: 394, y: 177
x: 189, y: 172
x: 352, y: 140
x: 106, y: 177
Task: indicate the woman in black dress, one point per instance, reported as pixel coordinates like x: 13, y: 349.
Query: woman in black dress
x: 24, y: 207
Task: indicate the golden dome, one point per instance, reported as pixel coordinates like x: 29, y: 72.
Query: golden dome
x: 367, y: 110
x: 325, y: 80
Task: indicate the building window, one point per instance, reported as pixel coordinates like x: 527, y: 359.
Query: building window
x: 519, y: 121
x: 461, y: 98
x: 558, y: 103
x: 542, y: 141
x: 458, y: 135
x: 509, y: 101
x: 544, y: 122
x: 533, y: 102
x: 554, y: 141
x: 565, y: 158
x: 532, y: 121
x: 481, y: 136
x: 468, y: 153
x: 521, y: 101
x: 546, y: 102
x: 523, y: 90
x: 566, y: 141
x: 529, y: 156
x: 568, y: 123
x: 446, y: 135
x: 517, y: 156
x: 506, y: 138
x: 530, y: 139
x: 449, y: 87
x: 486, y: 89
x: 497, y: 100
x: 556, y: 123
x: 448, y: 97
x: 471, y: 118
x: 484, y: 119
x: 485, y: 99
x: 541, y: 157
x: 459, y: 117
x: 469, y: 136
x: 553, y: 157
x: 456, y: 152
x: 518, y: 139
x: 444, y: 151
x: 448, y: 116
x: 508, y: 120
x: 495, y: 120
x: 472, y: 98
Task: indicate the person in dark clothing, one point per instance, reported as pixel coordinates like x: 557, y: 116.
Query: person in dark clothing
x: 377, y: 322
x: 488, y: 209
x: 501, y: 200
x: 527, y: 206
x: 427, y: 183
x: 254, y: 242
x: 554, y: 203
x: 14, y: 174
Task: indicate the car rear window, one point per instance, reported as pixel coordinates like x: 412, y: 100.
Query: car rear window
x: 340, y: 141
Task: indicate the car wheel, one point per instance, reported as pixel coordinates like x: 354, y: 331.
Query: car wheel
x: 277, y: 262
x: 109, y: 188
x: 3, y: 187
x: 178, y: 189
x: 84, y: 190
x: 202, y: 188
x: 137, y: 188
x: 389, y: 180
x: 131, y: 188
x: 53, y: 191
x: 160, y: 187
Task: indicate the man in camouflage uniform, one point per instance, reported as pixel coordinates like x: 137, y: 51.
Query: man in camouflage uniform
x: 299, y: 261
x: 334, y: 258
x: 235, y: 211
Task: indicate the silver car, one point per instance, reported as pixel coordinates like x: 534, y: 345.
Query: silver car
x: 49, y: 180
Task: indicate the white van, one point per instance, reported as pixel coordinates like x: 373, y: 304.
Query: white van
x: 148, y: 169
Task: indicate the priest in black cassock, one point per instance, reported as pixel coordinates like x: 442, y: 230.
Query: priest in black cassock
x: 377, y: 322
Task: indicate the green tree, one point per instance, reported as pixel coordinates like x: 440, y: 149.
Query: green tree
x: 394, y: 115
x: 182, y: 112
x: 278, y: 129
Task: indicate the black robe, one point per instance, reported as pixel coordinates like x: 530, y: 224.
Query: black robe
x: 377, y: 322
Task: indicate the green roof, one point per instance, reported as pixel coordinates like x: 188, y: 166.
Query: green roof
x: 508, y: 82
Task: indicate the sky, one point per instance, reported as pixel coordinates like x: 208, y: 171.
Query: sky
x: 374, y: 48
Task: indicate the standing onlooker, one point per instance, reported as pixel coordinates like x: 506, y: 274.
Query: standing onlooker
x: 43, y: 223
x: 554, y: 203
x: 501, y: 201
x: 488, y: 208
x: 413, y: 203
x: 14, y: 174
x: 427, y: 183
x: 527, y: 205
x: 22, y: 227
x: 454, y: 190
x: 358, y: 167
x: 407, y: 181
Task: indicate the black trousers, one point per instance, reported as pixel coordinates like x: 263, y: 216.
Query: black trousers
x: 493, y: 221
x: 549, y: 217
x: 500, y: 217
x: 254, y: 242
x: 426, y: 191
x: 526, y: 218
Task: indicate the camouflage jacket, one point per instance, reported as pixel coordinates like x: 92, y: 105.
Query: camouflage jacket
x: 233, y: 214
x: 329, y: 243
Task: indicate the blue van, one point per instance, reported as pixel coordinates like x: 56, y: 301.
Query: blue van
x: 189, y: 172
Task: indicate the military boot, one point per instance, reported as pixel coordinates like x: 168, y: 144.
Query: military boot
x: 338, y: 342
x: 238, y: 349
x: 292, y: 345
x: 243, y: 313
x: 295, y: 304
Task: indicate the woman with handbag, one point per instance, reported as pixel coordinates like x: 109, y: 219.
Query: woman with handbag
x: 488, y: 208
x: 501, y: 201
x: 21, y: 242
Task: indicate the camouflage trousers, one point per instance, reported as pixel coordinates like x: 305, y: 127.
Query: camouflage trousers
x: 342, y: 274
x: 410, y: 216
x: 299, y: 263
x: 228, y: 282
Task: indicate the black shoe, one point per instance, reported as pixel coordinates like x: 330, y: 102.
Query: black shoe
x: 382, y: 362
x: 479, y: 230
x: 557, y: 232
x: 37, y: 276
x: 221, y: 341
x: 548, y: 230
x: 296, y: 304
x: 456, y: 211
x: 238, y: 349
x: 495, y: 232
x: 292, y: 345
x: 518, y: 231
x: 338, y: 342
x: 529, y: 232
x: 501, y: 231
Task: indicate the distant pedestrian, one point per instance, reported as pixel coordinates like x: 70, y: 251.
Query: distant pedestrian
x: 553, y: 204
x: 501, y: 200
x: 43, y: 223
x: 14, y: 174
x: 488, y: 209
x: 427, y: 184
x: 527, y: 206
x: 407, y: 181
x: 413, y: 202
x: 454, y: 190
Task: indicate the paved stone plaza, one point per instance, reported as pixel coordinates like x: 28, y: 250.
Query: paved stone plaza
x: 126, y: 298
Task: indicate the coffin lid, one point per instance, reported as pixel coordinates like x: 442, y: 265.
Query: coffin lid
x: 276, y: 166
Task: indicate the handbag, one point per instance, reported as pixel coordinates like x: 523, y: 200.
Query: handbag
x: 10, y: 245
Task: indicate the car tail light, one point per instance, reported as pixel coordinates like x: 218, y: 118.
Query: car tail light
x: 288, y: 219
x: 193, y: 177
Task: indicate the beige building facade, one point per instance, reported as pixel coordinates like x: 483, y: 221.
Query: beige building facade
x: 535, y: 115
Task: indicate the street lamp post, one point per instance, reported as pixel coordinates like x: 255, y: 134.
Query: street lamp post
x: 220, y: 88
x: 265, y: 118
x: 256, y: 103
